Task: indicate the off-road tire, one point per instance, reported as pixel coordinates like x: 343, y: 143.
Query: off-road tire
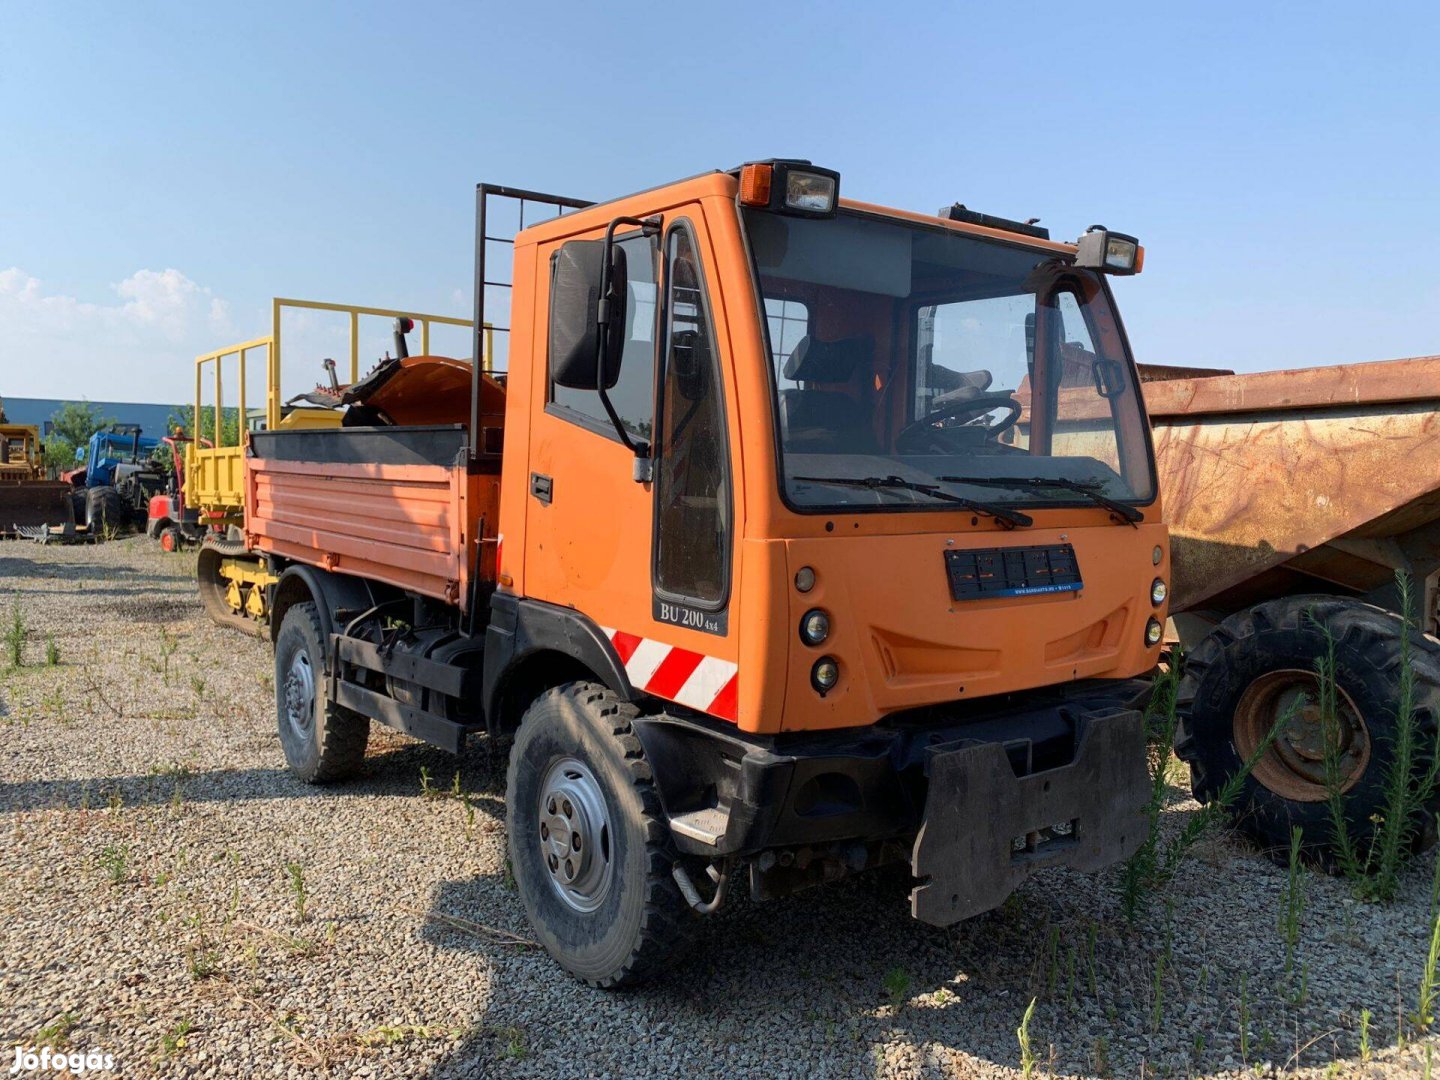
x: 642, y: 923
x: 1281, y: 634
x: 332, y: 746
x: 105, y: 510
x: 171, y: 538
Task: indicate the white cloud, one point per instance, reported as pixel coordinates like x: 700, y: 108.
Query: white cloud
x: 136, y: 347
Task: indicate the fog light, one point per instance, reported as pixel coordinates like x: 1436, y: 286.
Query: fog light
x: 805, y: 579
x: 1062, y: 828
x: 814, y: 627
x: 1153, y: 632
x: 825, y: 674
x: 1158, y: 592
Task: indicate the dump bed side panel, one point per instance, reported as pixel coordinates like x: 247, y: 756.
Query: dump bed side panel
x: 1320, y: 472
x: 391, y: 504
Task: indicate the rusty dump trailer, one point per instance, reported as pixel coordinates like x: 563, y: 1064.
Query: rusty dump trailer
x: 1317, y: 480
x: 1295, y: 498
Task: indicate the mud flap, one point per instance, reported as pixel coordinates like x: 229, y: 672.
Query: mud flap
x: 968, y: 852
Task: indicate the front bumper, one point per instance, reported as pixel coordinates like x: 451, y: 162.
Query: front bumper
x: 958, y: 789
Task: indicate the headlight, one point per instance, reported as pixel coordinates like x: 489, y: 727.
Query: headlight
x: 1109, y: 252
x: 1153, y: 632
x: 805, y: 579
x: 814, y: 627
x: 811, y: 192
x: 1159, y: 591
x: 825, y: 674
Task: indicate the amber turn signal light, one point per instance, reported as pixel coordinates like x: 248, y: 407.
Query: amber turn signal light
x: 755, y: 181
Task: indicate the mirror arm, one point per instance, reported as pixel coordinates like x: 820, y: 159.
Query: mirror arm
x: 639, y: 447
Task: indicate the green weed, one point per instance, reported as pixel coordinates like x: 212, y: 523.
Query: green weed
x: 56, y: 1034
x: 115, y: 861
x: 1410, y: 779
x: 1292, y: 906
x: 1154, y: 866
x: 296, y: 875
x: 1022, y: 1035
x: 52, y: 651
x: 15, y: 637
x: 897, y: 987
x: 1365, y: 1018
x: 174, y: 1040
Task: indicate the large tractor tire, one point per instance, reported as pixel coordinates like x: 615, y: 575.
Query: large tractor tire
x: 588, y: 839
x: 105, y: 511
x: 1256, y: 669
x: 322, y: 741
x: 214, y: 586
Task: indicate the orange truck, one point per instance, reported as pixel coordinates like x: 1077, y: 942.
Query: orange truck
x: 798, y: 536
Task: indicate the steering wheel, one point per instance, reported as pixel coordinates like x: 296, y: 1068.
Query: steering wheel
x: 915, y: 435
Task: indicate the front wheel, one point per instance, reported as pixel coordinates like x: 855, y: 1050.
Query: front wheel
x: 322, y: 741
x: 1256, y: 673
x: 588, y: 840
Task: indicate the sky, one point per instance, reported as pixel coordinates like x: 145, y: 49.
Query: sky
x: 165, y: 169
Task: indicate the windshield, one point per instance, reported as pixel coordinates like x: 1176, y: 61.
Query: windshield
x: 935, y: 359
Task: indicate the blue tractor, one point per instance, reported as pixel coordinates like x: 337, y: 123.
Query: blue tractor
x: 118, y: 475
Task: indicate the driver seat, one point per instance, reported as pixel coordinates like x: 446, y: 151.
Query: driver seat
x: 814, y: 421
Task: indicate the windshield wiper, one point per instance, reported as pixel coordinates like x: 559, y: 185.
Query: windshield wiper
x: 1125, y: 510
x: 1009, y: 518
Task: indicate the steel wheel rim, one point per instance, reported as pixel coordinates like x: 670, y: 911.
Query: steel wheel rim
x: 573, y: 831
x: 1294, y: 765
x: 300, y: 696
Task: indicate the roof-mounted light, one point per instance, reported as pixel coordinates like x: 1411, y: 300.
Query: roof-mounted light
x: 790, y: 187
x: 1109, y: 252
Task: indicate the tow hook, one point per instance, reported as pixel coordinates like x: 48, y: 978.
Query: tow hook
x: 721, y: 878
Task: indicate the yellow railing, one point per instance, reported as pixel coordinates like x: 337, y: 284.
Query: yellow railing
x: 215, y: 474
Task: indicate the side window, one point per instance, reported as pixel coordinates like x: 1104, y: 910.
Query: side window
x: 1084, y: 422
x: 633, y: 395
x: 789, y: 321
x: 692, y: 541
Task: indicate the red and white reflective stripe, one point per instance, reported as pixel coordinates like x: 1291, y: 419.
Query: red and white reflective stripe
x: 689, y: 678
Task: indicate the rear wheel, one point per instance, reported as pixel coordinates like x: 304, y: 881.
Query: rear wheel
x: 588, y: 840
x: 171, y: 538
x: 322, y: 741
x: 1256, y: 670
x: 105, y: 510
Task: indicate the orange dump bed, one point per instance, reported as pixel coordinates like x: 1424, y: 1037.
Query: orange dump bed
x: 393, y: 504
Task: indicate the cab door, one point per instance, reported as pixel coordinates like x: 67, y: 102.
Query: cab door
x: 587, y: 521
x: 651, y: 563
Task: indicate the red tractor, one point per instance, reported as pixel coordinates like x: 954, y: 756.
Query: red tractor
x: 169, y: 520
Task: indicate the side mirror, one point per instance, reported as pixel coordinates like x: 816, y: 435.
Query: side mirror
x: 575, y: 328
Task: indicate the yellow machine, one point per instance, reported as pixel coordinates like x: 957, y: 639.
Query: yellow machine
x: 233, y: 581
x: 26, y: 497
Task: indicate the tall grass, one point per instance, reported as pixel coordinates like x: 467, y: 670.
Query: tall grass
x: 1156, y: 864
x: 1410, y: 778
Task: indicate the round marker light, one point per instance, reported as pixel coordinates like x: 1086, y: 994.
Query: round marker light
x: 825, y: 674
x: 1157, y: 555
x: 814, y: 627
x: 805, y: 579
x: 1153, y: 632
x: 1159, y: 591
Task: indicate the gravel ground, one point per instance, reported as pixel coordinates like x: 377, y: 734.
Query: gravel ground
x: 150, y: 908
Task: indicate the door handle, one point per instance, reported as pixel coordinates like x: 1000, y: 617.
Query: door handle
x: 542, y: 487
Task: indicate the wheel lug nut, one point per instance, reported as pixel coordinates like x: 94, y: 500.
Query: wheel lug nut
x: 569, y: 869
x: 569, y: 810
x: 554, y: 864
x: 550, y: 806
x: 575, y: 841
x: 544, y: 831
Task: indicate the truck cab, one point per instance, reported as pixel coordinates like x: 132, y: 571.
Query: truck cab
x: 827, y: 536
